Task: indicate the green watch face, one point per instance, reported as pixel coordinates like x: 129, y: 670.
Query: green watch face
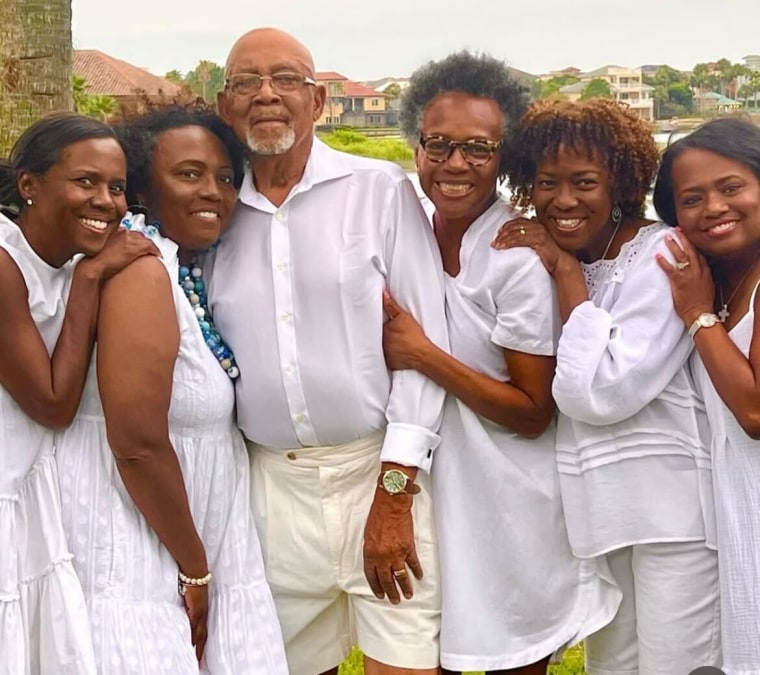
x: 394, y: 481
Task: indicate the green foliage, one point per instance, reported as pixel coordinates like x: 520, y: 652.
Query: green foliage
x: 672, y: 93
x: 175, y: 76
x: 92, y: 105
x: 596, y: 88
x: 356, y: 143
x: 392, y: 92
x: 205, y: 80
x: 551, y: 87
x: 572, y: 664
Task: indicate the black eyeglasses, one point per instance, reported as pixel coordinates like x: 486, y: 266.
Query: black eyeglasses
x: 247, y: 84
x: 474, y: 151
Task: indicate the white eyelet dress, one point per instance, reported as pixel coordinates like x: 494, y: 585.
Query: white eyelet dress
x: 44, y: 627
x: 130, y: 580
x: 736, y: 486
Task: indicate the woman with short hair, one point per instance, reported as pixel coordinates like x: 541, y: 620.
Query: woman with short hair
x: 512, y: 591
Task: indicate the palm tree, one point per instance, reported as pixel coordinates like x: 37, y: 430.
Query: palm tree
x: 35, y: 63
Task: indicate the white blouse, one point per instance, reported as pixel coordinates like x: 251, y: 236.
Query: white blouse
x: 632, y: 466
x: 296, y: 291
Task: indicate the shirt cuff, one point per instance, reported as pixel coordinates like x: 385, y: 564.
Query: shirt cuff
x: 410, y: 445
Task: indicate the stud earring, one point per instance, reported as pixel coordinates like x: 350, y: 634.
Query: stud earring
x: 29, y: 201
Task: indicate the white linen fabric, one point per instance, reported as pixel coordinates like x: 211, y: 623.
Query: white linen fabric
x: 130, y: 580
x: 512, y: 590
x: 736, y: 481
x: 670, y: 607
x: 633, y: 468
x: 317, y: 576
x: 44, y: 627
x: 297, y: 292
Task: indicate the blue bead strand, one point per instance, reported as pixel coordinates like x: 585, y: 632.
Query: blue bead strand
x: 191, y: 281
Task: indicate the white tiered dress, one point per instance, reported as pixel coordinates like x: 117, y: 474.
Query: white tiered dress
x: 44, y: 628
x: 736, y: 485
x: 130, y: 579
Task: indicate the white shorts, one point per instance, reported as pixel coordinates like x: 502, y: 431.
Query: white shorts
x: 669, y: 620
x: 311, y: 506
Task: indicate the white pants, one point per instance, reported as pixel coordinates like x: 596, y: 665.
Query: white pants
x: 669, y: 620
x: 310, y: 507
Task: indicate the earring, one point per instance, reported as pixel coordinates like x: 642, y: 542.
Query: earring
x: 617, y: 214
x: 29, y: 201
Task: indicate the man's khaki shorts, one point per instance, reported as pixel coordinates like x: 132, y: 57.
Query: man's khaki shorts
x: 311, y: 506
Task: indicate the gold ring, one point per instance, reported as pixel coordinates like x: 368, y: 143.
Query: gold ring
x: 399, y: 573
x: 522, y: 230
x: 683, y: 265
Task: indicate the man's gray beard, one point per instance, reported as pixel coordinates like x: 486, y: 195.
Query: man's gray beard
x: 278, y: 147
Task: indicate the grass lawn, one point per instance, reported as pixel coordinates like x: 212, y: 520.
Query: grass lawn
x: 572, y: 664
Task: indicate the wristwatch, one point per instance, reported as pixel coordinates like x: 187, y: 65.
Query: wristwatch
x: 396, y: 482
x: 703, y: 321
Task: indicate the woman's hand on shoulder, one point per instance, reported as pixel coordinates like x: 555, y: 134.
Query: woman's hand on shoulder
x: 122, y: 248
x: 690, y: 279
x: 531, y: 233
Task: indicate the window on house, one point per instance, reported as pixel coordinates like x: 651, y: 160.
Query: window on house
x: 374, y: 101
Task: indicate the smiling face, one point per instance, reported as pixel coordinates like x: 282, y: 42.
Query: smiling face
x: 82, y: 195
x: 572, y: 195
x: 192, y: 187
x: 270, y: 123
x: 458, y: 189
x: 717, y: 202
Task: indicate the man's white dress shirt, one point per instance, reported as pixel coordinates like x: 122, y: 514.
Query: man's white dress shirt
x: 296, y: 291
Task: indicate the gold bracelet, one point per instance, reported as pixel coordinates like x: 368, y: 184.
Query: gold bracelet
x: 184, y: 581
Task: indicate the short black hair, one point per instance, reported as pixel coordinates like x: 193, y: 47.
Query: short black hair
x: 138, y: 137
x: 477, y: 75
x: 39, y: 148
x: 731, y: 137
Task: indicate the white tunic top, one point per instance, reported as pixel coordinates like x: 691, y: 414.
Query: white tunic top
x: 632, y: 466
x: 736, y: 481
x: 130, y: 579
x: 297, y: 292
x: 43, y: 618
x: 512, y: 590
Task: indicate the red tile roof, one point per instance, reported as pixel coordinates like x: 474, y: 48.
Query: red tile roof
x: 354, y: 90
x: 108, y: 76
x: 329, y: 75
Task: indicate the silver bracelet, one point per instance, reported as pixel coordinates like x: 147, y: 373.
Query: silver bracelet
x: 184, y: 581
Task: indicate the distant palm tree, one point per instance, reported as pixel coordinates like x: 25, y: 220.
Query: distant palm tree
x: 35, y: 63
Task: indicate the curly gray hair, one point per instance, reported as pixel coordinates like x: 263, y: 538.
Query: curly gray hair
x: 478, y: 75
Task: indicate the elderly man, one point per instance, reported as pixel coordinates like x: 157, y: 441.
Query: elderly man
x: 336, y: 441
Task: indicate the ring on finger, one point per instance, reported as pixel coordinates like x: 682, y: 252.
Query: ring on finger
x: 522, y: 230
x: 399, y: 574
x: 682, y: 265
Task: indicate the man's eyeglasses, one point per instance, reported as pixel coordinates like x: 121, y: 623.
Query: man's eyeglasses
x: 475, y: 152
x: 247, y: 84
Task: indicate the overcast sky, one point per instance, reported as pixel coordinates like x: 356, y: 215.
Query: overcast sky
x: 370, y: 39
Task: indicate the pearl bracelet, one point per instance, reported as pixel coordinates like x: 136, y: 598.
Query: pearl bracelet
x: 185, y: 581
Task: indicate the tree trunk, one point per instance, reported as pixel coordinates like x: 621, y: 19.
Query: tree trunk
x: 35, y: 64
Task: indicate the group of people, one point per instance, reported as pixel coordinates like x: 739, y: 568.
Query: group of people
x: 259, y: 403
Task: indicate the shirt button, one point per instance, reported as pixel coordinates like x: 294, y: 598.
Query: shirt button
x: 298, y: 418
x: 291, y: 456
x: 282, y: 266
x: 284, y: 316
x: 278, y: 216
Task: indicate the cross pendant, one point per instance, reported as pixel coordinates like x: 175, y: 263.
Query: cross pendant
x: 724, y: 314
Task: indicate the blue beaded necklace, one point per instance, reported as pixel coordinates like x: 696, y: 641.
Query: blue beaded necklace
x: 191, y: 281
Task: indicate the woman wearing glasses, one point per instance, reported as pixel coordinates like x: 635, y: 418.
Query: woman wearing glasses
x: 634, y: 474
x: 512, y: 591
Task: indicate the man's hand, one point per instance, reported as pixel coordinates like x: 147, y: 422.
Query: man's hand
x: 389, y: 543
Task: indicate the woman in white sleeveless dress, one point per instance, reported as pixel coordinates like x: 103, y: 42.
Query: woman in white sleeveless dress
x: 64, y: 185
x: 155, y: 475
x: 709, y: 185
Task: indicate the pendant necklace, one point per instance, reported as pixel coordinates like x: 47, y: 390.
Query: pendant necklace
x: 723, y: 314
